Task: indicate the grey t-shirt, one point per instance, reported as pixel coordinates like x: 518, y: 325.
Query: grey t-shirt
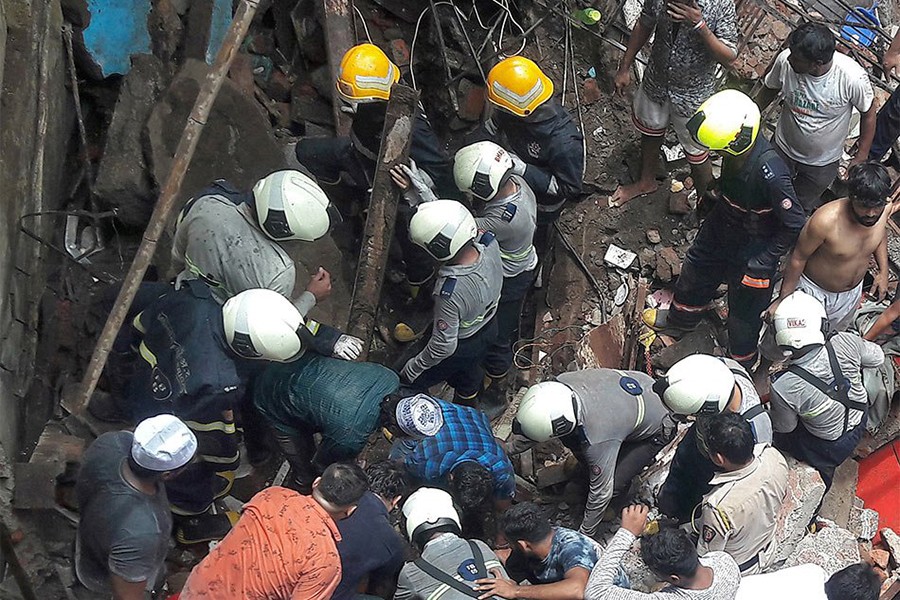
x: 513, y: 220
x: 815, y: 119
x: 793, y: 398
x: 122, y: 530
x: 452, y: 555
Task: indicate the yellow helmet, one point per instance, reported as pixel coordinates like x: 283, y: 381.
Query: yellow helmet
x: 727, y: 121
x: 518, y: 85
x: 366, y: 74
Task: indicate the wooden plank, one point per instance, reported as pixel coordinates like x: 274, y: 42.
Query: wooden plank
x: 382, y: 214
x: 338, y: 25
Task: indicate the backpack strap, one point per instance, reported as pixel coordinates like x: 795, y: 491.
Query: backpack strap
x: 445, y: 578
x: 838, y: 390
x: 479, y: 559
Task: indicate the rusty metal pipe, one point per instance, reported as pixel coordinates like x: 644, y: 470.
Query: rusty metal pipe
x: 165, y: 205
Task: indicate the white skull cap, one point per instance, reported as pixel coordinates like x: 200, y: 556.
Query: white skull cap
x: 163, y: 443
x: 419, y: 416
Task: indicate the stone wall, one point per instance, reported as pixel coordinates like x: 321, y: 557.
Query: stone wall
x: 35, y: 127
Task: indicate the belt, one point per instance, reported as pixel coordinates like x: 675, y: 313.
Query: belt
x: 749, y: 564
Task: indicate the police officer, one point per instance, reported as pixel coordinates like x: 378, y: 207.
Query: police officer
x: 230, y: 239
x: 739, y: 514
x: 818, y: 402
x: 509, y: 210
x: 197, y: 359
x: 364, y: 82
x: 547, y: 148
x: 610, y: 419
x: 703, y: 386
x: 466, y: 293
x: 755, y: 220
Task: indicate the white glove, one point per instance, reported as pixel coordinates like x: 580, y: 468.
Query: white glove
x: 518, y: 166
x: 420, y: 185
x: 347, y: 347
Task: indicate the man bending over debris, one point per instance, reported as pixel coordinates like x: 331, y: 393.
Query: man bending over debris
x: 754, y: 221
x: 821, y: 88
x: 464, y: 457
x: 545, y: 144
x: 671, y: 556
x: 467, y: 292
x: 123, y: 534
x: 555, y: 560
x: 832, y: 254
x: 611, y: 420
x: 704, y: 386
x: 819, y: 404
x: 284, y: 545
x: 740, y: 512
x: 691, y: 42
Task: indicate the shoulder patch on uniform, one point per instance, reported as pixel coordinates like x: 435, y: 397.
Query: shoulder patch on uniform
x: 486, y: 238
x: 708, y: 533
x: 448, y: 287
x: 787, y: 204
x: 442, y: 325
x: 468, y: 570
x: 509, y: 211
x: 595, y: 469
x: 767, y: 172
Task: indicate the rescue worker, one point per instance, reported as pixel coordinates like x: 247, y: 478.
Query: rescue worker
x: 701, y: 385
x: 755, y: 219
x: 364, y: 82
x: 197, y: 361
x: 819, y: 404
x: 466, y: 293
x: 611, y: 420
x: 229, y: 238
x: 739, y: 514
x: 546, y: 147
x: 509, y: 211
x: 448, y: 565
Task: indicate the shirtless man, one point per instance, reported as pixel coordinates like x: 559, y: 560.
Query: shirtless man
x: 833, y: 250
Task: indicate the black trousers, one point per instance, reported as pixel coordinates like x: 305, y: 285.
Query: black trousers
x: 688, y: 480
x: 887, y: 127
x: 824, y: 455
x: 500, y: 353
x: 720, y: 253
x: 462, y: 370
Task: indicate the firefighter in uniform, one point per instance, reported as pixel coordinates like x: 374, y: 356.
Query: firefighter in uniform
x: 610, y: 419
x: 702, y: 385
x: 198, y: 358
x: 229, y: 239
x: 546, y: 146
x: 739, y: 515
x: 466, y: 293
x: 755, y: 220
x: 819, y: 404
x: 364, y: 82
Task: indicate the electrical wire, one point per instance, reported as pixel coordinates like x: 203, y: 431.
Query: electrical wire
x: 363, y: 20
x: 541, y: 341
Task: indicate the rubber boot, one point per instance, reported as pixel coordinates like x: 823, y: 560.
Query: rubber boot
x: 205, y: 527
x: 493, y: 398
x: 104, y: 407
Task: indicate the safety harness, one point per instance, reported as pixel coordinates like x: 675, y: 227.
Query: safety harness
x: 446, y: 578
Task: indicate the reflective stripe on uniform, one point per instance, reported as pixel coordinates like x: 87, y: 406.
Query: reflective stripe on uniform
x: 214, y: 426
x: 221, y: 460
x: 516, y: 255
x: 136, y: 322
x: 147, y: 355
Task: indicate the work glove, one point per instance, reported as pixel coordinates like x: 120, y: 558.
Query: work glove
x: 518, y: 165
x: 420, y: 185
x: 347, y: 347
x: 757, y: 275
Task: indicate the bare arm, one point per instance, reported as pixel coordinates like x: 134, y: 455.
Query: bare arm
x: 883, y: 322
x: 866, y: 133
x: 639, y: 36
x: 723, y: 54
x: 811, y: 237
x: 571, y: 587
x: 126, y: 590
x: 880, y: 286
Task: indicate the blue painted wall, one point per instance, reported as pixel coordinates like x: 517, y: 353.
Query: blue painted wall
x: 117, y: 30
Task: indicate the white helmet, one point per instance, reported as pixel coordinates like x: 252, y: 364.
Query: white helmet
x: 799, y: 322
x: 482, y: 168
x: 698, y: 384
x: 263, y: 325
x: 291, y: 206
x: 547, y: 410
x: 442, y: 227
x: 428, y: 509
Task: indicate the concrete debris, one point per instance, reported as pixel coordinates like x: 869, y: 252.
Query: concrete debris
x: 892, y: 541
x: 838, y: 500
x: 676, y: 186
x: 602, y: 346
x: 887, y: 433
x: 700, y: 341
x: 653, y: 477
x: 880, y: 557
x: 653, y: 236
x: 804, y: 494
x: 863, y: 522
x: 471, y: 100
x: 678, y: 203
x: 832, y: 548
x: 668, y: 265
x: 122, y: 178
x: 590, y: 91
x: 207, y: 24
x: 166, y: 30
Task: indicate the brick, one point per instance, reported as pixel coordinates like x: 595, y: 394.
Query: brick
x: 880, y: 557
x: 471, y: 100
x: 400, y: 52
x: 590, y: 91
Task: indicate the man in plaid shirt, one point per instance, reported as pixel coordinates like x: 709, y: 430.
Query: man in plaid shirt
x: 464, y: 458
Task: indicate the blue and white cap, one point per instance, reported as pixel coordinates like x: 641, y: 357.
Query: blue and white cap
x: 419, y: 416
x: 163, y: 443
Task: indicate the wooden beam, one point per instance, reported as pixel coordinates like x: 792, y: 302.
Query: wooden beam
x: 382, y: 213
x: 338, y: 24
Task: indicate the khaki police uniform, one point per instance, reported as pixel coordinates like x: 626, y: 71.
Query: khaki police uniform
x: 738, y: 516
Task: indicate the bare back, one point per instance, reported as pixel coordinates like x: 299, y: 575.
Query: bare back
x: 841, y: 261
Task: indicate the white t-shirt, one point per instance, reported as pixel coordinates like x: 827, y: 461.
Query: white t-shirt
x: 803, y: 581
x: 815, y: 119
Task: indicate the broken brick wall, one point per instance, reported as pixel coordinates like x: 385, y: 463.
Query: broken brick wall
x: 35, y: 127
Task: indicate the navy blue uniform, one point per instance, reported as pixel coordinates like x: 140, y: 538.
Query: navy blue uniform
x: 755, y: 221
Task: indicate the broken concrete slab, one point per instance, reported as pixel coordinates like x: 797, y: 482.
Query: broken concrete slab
x: 207, y: 24
x: 36, y: 485
x: 122, y: 181
x: 804, y: 494
x: 832, y: 548
x: 839, y: 499
x: 887, y: 433
x: 700, y: 341
x: 117, y: 30
x: 166, y: 30
x: 602, y: 346
x: 892, y: 541
x: 863, y: 523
